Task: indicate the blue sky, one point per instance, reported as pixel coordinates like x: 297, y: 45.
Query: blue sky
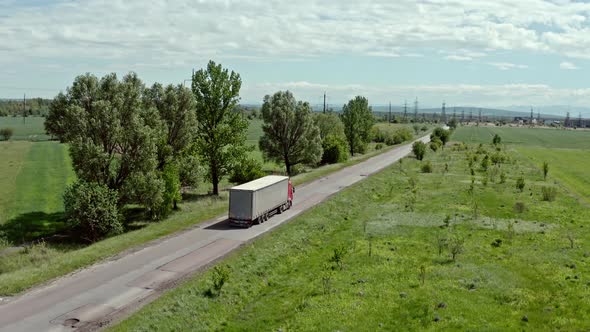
x: 465, y: 52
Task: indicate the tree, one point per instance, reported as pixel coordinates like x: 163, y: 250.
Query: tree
x: 6, y: 133
x: 497, y: 139
x: 358, y: 120
x: 175, y: 107
x: 289, y: 132
x: 419, y: 149
x: 221, y: 132
x: 442, y: 134
x: 453, y: 124
x: 91, y: 210
x: 545, y: 170
x: 333, y: 138
x: 111, y: 143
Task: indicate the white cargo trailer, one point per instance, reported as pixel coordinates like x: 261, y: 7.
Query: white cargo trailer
x: 258, y: 200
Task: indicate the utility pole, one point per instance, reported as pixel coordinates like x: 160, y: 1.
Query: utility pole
x: 531, y: 120
x: 567, y: 120
x: 479, y: 119
x: 24, y: 107
x: 444, y: 113
x: 405, y: 112
x: 389, y: 112
x: 454, y: 113
x: 580, y: 120
x: 462, y: 115
x: 416, y: 109
x: 470, y: 114
x: 324, y: 102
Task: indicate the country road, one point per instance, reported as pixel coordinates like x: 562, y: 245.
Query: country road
x: 114, y: 288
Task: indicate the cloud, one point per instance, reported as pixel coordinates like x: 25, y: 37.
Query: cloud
x: 163, y: 32
x: 507, y: 65
x: 568, y: 66
x: 428, y: 95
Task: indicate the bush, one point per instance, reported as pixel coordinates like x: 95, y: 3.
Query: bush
x: 6, y: 133
x: 426, y: 167
x: 548, y: 193
x: 520, y: 184
x: 419, y: 149
x: 245, y: 171
x: 91, y: 210
x: 335, y: 149
x: 393, y: 139
x: 378, y: 146
x: 378, y: 136
x: 497, y: 139
x: 219, y: 278
x: 172, y: 195
x: 405, y: 134
x: 435, y: 144
x: 519, y: 207
x: 443, y: 135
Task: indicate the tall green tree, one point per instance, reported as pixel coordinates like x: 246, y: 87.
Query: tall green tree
x: 175, y: 106
x: 358, y: 120
x: 334, y: 141
x: 221, y: 132
x: 110, y: 140
x: 289, y: 132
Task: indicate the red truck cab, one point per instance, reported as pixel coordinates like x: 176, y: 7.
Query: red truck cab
x: 291, y: 191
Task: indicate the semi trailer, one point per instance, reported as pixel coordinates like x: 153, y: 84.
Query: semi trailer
x: 258, y: 200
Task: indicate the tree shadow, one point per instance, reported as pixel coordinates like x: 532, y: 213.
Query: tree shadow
x: 32, y: 226
x: 195, y: 197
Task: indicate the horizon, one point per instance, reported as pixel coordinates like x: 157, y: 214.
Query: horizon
x: 483, y: 54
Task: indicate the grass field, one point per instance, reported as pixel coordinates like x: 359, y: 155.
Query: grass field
x: 32, y: 206
x: 571, y: 167
x: 32, y: 129
x: 374, y: 258
x: 548, y: 138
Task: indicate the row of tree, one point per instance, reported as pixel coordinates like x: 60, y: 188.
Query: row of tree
x: 133, y: 144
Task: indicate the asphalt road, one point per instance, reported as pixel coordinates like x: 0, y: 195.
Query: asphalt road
x: 116, y: 287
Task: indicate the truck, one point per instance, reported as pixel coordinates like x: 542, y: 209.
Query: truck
x: 258, y: 200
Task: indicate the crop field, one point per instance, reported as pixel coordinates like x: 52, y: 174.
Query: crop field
x: 571, y: 167
x: 31, y: 129
x: 379, y: 256
x: 547, y: 138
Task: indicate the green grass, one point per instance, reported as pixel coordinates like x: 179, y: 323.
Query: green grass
x: 568, y: 166
x: 391, y: 276
x: 32, y: 129
x: 541, y: 137
x: 36, y: 175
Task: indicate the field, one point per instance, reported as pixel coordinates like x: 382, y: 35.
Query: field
x: 31, y: 129
x: 379, y: 256
x: 569, y: 166
x: 36, y: 173
x: 547, y: 138
x: 566, y: 151
x: 31, y: 208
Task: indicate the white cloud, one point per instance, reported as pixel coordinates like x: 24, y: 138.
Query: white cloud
x: 568, y: 66
x: 429, y: 95
x: 162, y: 32
x: 458, y: 58
x: 507, y: 65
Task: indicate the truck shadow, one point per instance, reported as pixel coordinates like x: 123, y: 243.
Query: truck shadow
x: 222, y: 226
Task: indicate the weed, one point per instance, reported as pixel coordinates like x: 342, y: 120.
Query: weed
x: 548, y: 193
x: 520, y: 183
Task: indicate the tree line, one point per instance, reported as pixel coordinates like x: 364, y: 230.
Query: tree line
x: 32, y: 107
x: 137, y: 144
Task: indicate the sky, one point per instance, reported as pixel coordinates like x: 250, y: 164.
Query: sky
x: 464, y: 52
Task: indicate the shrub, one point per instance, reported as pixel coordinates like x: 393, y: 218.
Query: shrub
x: 502, y: 177
x: 426, y: 167
x: 520, y: 184
x: 91, y: 210
x: 172, y: 195
x: 424, y: 128
x: 519, y: 207
x: 393, y: 139
x: 435, y: 144
x: 405, y: 134
x: 442, y: 134
x: 419, y: 149
x: 378, y: 136
x: 497, y: 139
x: 6, y: 133
x: 416, y: 129
x: 219, y: 278
x: 378, y: 146
x: 485, y: 163
x: 247, y: 170
x: 545, y: 170
x: 498, y: 158
x: 456, y: 246
x: 548, y: 193
x: 335, y: 149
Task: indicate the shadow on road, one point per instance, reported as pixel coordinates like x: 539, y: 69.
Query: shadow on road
x: 221, y: 226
